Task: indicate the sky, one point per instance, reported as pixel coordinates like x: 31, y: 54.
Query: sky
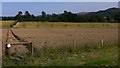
x: 60, y: 0
x: 12, y: 8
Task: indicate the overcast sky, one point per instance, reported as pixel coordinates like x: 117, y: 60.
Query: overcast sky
x: 12, y: 8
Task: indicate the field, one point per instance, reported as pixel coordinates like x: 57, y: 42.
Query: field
x: 60, y: 25
x: 66, y: 44
x: 7, y: 24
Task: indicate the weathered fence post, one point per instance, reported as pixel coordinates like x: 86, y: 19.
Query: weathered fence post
x: 102, y: 42
x: 74, y: 43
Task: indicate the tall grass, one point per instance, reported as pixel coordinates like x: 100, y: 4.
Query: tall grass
x: 86, y: 55
x: 8, y: 23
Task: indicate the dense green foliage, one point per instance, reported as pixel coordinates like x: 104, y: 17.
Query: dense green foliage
x: 109, y: 15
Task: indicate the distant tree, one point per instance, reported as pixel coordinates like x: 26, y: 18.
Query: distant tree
x: 54, y: 18
x: 19, y: 17
x: 33, y: 17
x: 48, y: 17
x: 27, y: 16
x: 43, y: 16
x: 68, y: 17
x: 27, y: 13
x: 117, y: 17
x: 8, y: 18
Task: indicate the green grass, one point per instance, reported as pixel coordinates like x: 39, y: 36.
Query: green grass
x: 87, y: 55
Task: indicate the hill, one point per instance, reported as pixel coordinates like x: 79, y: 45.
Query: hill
x: 108, y: 15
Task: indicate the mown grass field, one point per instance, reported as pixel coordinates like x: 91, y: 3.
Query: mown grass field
x: 53, y: 43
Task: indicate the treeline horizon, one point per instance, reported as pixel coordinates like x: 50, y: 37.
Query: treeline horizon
x: 109, y: 15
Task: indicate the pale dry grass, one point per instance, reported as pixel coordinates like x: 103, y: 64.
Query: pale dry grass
x: 6, y: 24
x: 65, y: 25
x: 18, y: 50
x: 60, y: 37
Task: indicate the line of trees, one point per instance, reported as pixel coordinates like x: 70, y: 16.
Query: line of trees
x: 65, y: 17
x: 110, y: 15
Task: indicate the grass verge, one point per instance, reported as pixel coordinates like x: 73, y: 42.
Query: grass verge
x: 86, y: 55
